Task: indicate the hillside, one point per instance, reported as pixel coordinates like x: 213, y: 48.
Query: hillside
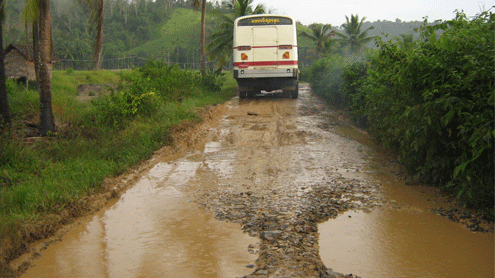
x: 177, y: 36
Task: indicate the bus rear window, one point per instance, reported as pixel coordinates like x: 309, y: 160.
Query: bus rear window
x: 264, y: 20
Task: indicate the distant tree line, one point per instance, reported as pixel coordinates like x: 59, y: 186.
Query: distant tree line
x: 130, y: 24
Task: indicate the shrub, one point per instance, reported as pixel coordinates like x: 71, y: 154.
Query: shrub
x: 168, y: 82
x: 122, y: 106
x: 432, y: 101
x: 213, y: 80
x: 325, y: 78
x: 353, y: 78
x: 143, y: 91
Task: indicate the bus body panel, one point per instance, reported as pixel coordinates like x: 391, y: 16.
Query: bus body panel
x: 265, y: 47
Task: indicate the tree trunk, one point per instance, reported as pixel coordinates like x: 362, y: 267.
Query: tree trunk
x: 203, y: 38
x: 99, y: 35
x: 44, y: 49
x: 4, y: 102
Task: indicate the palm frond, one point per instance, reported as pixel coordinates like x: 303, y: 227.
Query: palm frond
x: 220, y: 43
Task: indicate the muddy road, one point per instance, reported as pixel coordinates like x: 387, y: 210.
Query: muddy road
x: 269, y: 187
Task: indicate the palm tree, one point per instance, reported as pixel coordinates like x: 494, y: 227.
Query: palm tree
x: 221, y: 42
x: 244, y: 7
x: 320, y: 34
x: 219, y: 47
x: 97, y: 13
x: 203, y: 32
x: 353, y: 36
x: 4, y: 103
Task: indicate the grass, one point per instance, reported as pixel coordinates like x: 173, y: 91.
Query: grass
x: 66, y: 82
x: 42, y: 176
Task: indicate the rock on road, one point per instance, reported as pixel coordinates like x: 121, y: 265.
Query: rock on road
x: 273, y: 165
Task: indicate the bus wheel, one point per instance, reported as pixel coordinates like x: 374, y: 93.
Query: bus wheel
x: 295, y: 93
x: 242, y: 94
x: 291, y: 94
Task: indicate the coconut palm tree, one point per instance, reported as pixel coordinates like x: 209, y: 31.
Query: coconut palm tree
x: 203, y: 32
x: 221, y: 42
x: 320, y: 34
x: 353, y: 37
x: 244, y: 7
x: 97, y: 12
x: 4, y: 103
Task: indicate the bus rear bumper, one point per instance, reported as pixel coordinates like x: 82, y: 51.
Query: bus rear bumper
x: 268, y: 84
x: 265, y: 73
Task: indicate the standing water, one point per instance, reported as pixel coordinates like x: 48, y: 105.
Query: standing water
x: 152, y: 231
x: 404, y: 238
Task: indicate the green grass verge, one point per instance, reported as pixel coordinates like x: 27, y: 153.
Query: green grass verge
x: 41, y: 176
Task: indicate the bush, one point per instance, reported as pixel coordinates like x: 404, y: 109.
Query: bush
x: 213, y: 80
x: 325, y: 79
x: 143, y: 91
x: 353, y: 78
x: 120, y: 107
x: 433, y: 102
x: 170, y: 83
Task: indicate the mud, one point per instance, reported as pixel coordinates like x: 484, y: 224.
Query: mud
x: 266, y: 187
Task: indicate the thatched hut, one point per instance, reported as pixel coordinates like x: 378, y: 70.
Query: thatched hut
x: 19, y: 62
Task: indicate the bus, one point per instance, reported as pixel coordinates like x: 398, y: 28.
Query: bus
x: 265, y: 55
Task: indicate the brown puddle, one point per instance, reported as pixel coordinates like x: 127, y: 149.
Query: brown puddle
x: 404, y: 238
x: 152, y: 231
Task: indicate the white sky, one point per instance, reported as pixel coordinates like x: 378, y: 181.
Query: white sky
x: 334, y: 11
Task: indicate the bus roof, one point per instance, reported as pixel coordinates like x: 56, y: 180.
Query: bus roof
x: 264, y: 19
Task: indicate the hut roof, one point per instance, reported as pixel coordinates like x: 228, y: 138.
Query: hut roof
x: 26, y: 51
